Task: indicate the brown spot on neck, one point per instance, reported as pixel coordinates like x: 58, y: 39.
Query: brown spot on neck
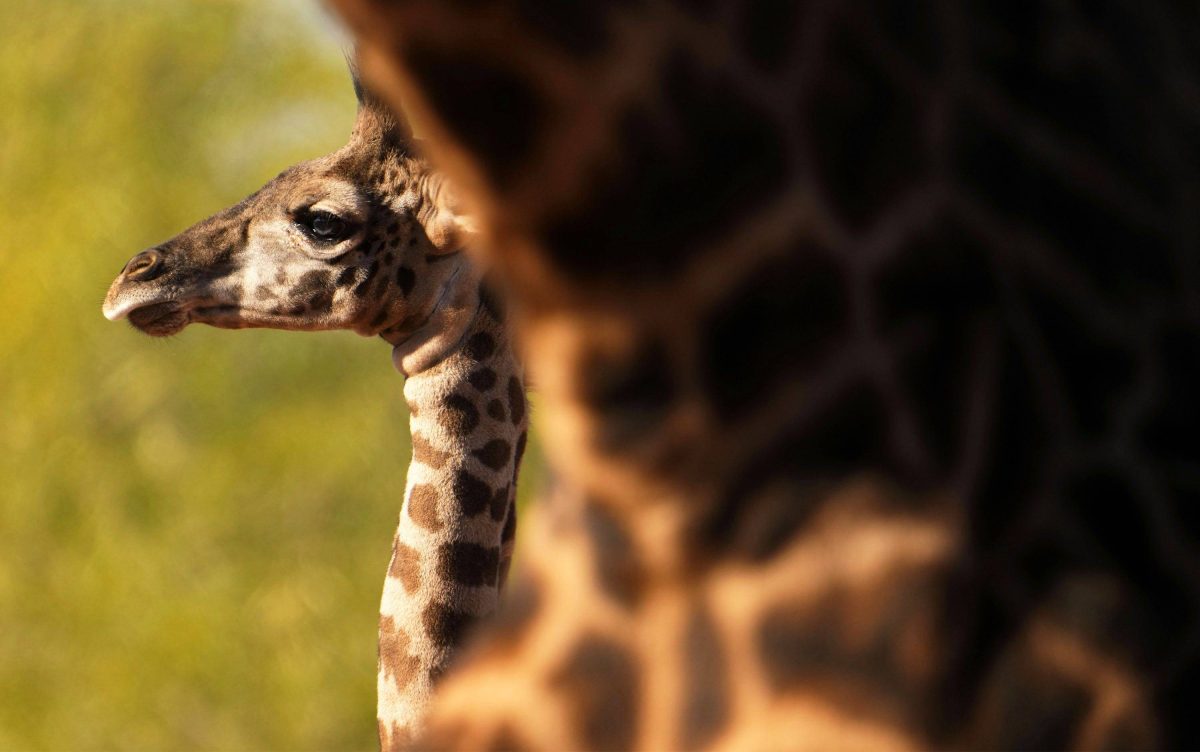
x: 406, y: 567
x: 426, y: 453
x: 395, y: 662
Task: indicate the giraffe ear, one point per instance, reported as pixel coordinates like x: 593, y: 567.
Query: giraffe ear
x: 375, y: 120
x: 447, y: 223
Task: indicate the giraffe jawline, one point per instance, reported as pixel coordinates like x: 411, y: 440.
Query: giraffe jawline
x: 220, y: 316
x: 237, y: 317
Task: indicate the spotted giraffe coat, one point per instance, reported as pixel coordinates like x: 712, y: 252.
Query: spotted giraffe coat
x: 868, y: 334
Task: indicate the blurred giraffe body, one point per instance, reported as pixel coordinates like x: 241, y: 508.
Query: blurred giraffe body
x: 366, y: 239
x: 867, y: 335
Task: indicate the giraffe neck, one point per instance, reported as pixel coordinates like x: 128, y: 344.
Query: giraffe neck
x: 466, y: 398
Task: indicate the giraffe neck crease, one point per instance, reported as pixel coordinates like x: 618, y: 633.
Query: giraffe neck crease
x: 468, y: 416
x: 440, y: 332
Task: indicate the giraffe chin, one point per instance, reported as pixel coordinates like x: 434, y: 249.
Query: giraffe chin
x: 159, y: 319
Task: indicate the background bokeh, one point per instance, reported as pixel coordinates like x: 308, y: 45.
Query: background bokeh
x: 193, y: 532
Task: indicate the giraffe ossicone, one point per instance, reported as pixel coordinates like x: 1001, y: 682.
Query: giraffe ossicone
x: 367, y: 239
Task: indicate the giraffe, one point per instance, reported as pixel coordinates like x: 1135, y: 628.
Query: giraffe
x: 867, y: 336
x: 368, y: 239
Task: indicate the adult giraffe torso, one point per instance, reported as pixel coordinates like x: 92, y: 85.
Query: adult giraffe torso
x: 867, y: 334
x: 367, y: 239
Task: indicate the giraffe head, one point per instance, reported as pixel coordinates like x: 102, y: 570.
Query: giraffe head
x: 365, y: 238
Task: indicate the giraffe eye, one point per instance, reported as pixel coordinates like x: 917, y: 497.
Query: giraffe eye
x: 325, y: 226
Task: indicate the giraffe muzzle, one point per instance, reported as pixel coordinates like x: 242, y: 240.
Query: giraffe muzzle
x: 130, y: 290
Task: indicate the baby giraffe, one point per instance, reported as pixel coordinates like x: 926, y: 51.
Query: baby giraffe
x: 367, y: 238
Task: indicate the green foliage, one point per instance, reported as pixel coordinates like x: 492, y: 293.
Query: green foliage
x: 194, y: 531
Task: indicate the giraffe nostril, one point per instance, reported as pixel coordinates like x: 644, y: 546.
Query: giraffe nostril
x: 144, y: 266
